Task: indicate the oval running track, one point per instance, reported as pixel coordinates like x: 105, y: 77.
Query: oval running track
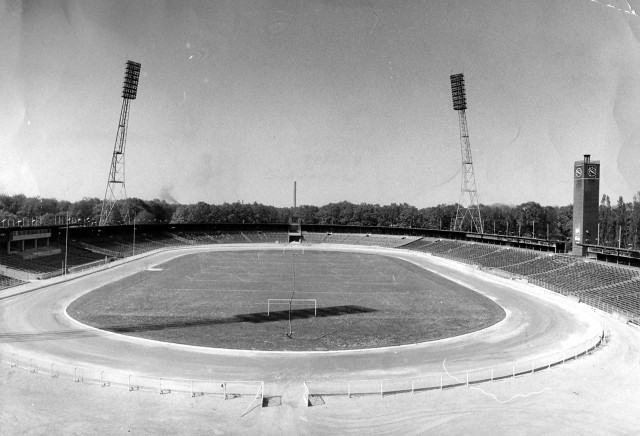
x: 35, y: 324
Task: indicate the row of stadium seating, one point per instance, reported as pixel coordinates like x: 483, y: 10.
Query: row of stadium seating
x: 7, y: 282
x: 124, y: 246
x: 581, y: 276
x: 592, y: 281
x: 75, y: 256
x: 366, y: 239
x: 539, y: 265
x: 281, y: 237
x: 232, y: 237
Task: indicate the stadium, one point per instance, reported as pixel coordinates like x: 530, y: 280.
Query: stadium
x: 288, y: 322
x: 186, y: 315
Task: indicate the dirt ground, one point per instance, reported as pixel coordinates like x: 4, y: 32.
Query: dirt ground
x: 597, y: 394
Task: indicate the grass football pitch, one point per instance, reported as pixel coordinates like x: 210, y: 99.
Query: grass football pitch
x: 219, y: 299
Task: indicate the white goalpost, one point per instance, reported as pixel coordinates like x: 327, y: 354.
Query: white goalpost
x: 291, y: 301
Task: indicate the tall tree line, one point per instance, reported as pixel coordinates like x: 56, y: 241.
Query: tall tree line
x: 619, y: 222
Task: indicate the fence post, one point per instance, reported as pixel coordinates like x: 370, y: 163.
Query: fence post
x: 160, y: 386
x: 224, y: 389
x: 491, y: 374
x: 412, y: 387
x: 467, y: 378
x: 52, y: 373
x: 381, y: 391
x: 31, y: 366
x: 75, y: 374
x: 440, y: 381
x: 514, y: 370
x: 348, y: 383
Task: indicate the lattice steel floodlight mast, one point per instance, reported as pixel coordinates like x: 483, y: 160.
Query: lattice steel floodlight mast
x: 115, y: 183
x: 468, y: 205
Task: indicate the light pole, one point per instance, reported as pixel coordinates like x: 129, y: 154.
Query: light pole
x: 620, y: 237
x: 134, y: 236
x: 115, y: 182
x: 66, y: 245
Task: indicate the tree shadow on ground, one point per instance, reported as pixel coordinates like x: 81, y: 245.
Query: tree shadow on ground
x: 253, y: 318
x: 162, y: 323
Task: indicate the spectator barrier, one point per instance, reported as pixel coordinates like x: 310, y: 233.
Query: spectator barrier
x: 445, y: 379
x: 225, y: 389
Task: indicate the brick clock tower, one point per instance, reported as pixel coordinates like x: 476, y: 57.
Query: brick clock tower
x: 586, y: 196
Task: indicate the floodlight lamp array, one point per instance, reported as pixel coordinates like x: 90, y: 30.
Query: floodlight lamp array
x: 457, y: 91
x: 131, y: 77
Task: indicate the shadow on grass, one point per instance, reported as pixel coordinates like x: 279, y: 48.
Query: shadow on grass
x: 164, y: 323
x: 253, y: 318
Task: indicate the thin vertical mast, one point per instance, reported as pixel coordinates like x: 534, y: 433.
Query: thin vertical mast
x: 116, y: 190
x: 468, y: 205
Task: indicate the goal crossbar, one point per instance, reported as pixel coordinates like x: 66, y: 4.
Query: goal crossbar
x: 292, y: 301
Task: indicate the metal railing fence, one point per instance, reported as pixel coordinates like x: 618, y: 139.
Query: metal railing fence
x: 445, y: 379
x: 225, y: 389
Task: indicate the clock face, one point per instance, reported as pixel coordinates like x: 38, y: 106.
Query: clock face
x: 592, y: 171
x: 578, y: 172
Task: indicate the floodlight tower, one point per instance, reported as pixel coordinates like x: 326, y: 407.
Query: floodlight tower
x: 468, y: 205
x: 115, y: 183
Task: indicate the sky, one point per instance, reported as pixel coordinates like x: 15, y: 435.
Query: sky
x: 350, y: 98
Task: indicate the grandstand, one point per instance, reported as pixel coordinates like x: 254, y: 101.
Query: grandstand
x: 219, y: 237
x: 366, y: 239
x: 507, y: 257
x: 7, y: 282
x: 612, y: 288
x: 123, y: 245
x: 47, y: 266
x: 535, y: 265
